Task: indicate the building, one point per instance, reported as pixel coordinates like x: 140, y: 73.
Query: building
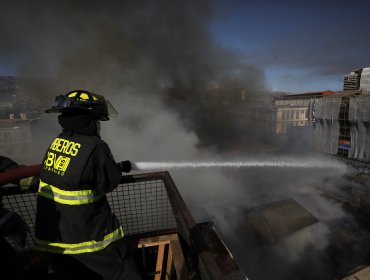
x: 365, y: 80
x: 351, y: 81
x: 358, y: 79
x: 18, y: 111
x: 278, y: 120
x: 225, y: 97
x: 15, y: 137
x: 286, y: 113
x: 298, y: 99
x: 342, y: 120
x: 342, y: 125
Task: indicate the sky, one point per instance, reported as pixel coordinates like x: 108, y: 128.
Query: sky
x: 300, y: 45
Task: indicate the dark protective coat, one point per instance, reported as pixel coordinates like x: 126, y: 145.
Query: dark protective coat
x: 75, y: 162
x: 72, y: 209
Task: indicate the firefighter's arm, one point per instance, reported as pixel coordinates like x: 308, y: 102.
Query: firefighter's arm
x: 108, y: 173
x: 29, y: 184
x: 23, y: 176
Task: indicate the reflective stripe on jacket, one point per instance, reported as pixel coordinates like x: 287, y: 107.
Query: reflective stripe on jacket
x: 78, y: 248
x: 68, y: 197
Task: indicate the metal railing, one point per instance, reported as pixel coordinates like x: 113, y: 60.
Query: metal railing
x: 148, y: 204
x: 141, y: 205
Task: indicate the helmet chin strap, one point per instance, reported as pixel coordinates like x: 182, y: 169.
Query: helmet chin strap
x: 97, y: 127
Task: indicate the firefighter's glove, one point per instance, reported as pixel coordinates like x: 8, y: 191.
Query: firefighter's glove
x: 125, y: 166
x: 29, y: 183
x: 13, y: 226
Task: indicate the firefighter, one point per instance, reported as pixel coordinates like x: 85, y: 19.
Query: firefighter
x: 74, y: 222
x: 13, y: 227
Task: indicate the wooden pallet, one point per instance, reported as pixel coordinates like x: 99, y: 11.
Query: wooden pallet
x: 174, y: 256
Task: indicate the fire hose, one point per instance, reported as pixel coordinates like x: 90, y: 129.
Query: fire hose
x: 16, y: 174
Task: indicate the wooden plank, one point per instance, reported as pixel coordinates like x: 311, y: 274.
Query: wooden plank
x: 158, y: 268
x: 156, y: 240
x: 169, y: 263
x: 175, y: 255
x: 179, y: 260
x: 143, y: 245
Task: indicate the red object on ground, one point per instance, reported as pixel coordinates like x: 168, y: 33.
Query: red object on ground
x: 16, y: 174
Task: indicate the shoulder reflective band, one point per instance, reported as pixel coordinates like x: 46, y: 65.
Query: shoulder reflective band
x: 78, y: 248
x: 68, y: 197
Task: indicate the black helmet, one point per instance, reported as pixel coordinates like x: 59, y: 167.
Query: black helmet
x: 81, y: 100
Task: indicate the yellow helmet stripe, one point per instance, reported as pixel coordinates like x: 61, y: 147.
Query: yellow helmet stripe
x: 72, y: 94
x: 84, y: 96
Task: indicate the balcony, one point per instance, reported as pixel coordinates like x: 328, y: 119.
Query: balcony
x: 165, y: 241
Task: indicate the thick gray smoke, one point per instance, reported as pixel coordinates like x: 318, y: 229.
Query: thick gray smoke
x: 111, y: 47
x: 153, y: 60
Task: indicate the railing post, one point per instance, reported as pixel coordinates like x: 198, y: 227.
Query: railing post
x: 190, y: 232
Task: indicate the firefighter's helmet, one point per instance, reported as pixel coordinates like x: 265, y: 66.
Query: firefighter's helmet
x: 82, y: 100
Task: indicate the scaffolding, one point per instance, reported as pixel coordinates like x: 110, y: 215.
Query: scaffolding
x: 344, y: 141
x: 359, y: 119
x: 153, y: 215
x: 327, y: 126
x: 342, y: 126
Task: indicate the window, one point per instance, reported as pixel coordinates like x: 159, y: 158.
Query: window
x: 7, y: 135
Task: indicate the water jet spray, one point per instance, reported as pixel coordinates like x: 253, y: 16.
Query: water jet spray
x: 250, y: 163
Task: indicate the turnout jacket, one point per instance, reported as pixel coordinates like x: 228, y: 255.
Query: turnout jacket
x: 73, y: 214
